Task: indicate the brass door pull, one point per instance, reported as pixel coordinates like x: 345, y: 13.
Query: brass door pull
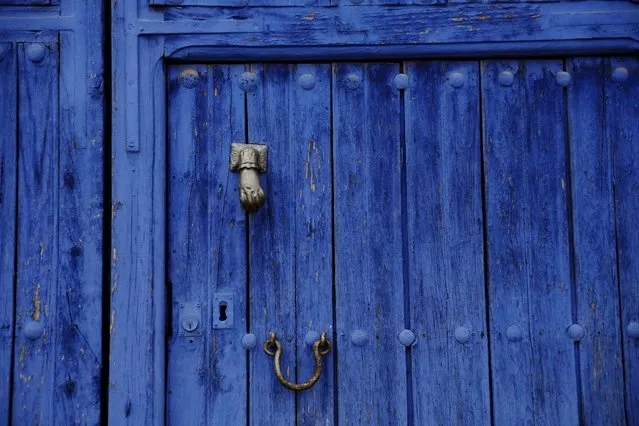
x: 273, y: 347
x: 249, y: 160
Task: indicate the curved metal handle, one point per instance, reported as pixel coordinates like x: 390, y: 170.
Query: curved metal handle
x: 249, y: 160
x: 322, y: 346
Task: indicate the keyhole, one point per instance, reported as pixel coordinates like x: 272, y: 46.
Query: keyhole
x: 222, y: 311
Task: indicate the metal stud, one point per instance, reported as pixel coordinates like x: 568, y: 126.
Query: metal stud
x: 307, y: 81
x: 620, y: 74
x: 513, y: 333
x: 248, y: 81
x: 506, y: 78
x: 33, y: 330
x: 359, y: 337
x: 462, y: 334
x: 352, y: 81
x: 311, y: 337
x: 189, y: 78
x: 633, y: 330
x: 249, y: 341
x: 36, y: 52
x: 457, y: 79
x: 576, y: 332
x: 401, y: 81
x: 563, y: 78
x: 406, y: 337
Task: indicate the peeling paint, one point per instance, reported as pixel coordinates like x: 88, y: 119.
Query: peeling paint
x: 36, y: 303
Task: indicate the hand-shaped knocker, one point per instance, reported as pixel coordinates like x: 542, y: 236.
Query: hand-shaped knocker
x: 249, y: 160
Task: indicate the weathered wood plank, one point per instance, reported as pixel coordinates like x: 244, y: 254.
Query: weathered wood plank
x: 207, y: 374
x: 311, y: 167
x: 38, y: 309
x: 596, y: 286
x: 8, y: 211
x: 445, y: 234
x: 368, y: 245
x: 621, y: 112
x: 533, y: 359
x: 272, y: 245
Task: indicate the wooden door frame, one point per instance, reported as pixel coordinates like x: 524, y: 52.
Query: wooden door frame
x: 144, y: 42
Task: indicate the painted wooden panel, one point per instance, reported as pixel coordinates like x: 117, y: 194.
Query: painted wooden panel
x: 27, y: 2
x: 595, y: 264
x: 207, y: 372
x: 371, y: 374
x: 445, y: 244
x: 8, y: 212
x: 621, y: 112
x: 38, y: 307
x: 532, y: 357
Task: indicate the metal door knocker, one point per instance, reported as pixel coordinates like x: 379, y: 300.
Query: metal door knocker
x: 273, y: 347
x: 249, y: 160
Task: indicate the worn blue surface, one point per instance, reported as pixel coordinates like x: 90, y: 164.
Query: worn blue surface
x: 491, y: 217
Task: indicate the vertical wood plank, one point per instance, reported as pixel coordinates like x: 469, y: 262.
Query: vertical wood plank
x: 207, y: 374
x: 37, y: 308
x: 272, y: 245
x: 445, y: 234
x: 8, y: 211
x: 533, y: 359
x: 312, y: 171
x: 622, y: 132
x: 597, y: 295
x: 368, y: 245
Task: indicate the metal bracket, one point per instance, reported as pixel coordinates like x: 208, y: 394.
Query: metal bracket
x: 223, y: 315
x: 190, y: 319
x: 249, y: 160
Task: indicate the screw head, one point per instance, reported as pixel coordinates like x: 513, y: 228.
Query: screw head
x: 620, y: 74
x: 36, y: 52
x: 563, y: 78
x: 406, y: 337
x: 32, y: 330
x: 513, y: 333
x: 462, y: 334
x: 359, y: 337
x: 576, y: 332
x: 401, y: 81
x: 506, y: 78
x: 307, y: 81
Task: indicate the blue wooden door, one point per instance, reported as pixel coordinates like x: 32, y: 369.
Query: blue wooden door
x: 461, y: 230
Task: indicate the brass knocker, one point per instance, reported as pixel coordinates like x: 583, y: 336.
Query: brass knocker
x: 322, y: 346
x: 249, y: 160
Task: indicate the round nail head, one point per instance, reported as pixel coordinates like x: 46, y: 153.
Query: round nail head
x: 406, y: 337
x: 457, y: 79
x: 352, y: 81
x: 633, y: 330
x: 248, y: 81
x: 36, y: 52
x: 33, y: 330
x: 359, y: 337
x: 249, y: 341
x: 620, y: 74
x: 506, y: 78
x: 563, y: 78
x: 189, y: 78
x: 307, y: 81
x: 311, y: 337
x: 513, y: 333
x: 401, y: 81
x: 462, y: 334
x: 576, y: 332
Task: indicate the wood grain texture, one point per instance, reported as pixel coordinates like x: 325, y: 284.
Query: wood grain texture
x: 37, y: 304
x: 445, y: 243
x: 206, y: 374
x: 368, y: 244
x: 528, y: 244
x: 621, y: 112
x: 8, y: 211
x: 595, y: 263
